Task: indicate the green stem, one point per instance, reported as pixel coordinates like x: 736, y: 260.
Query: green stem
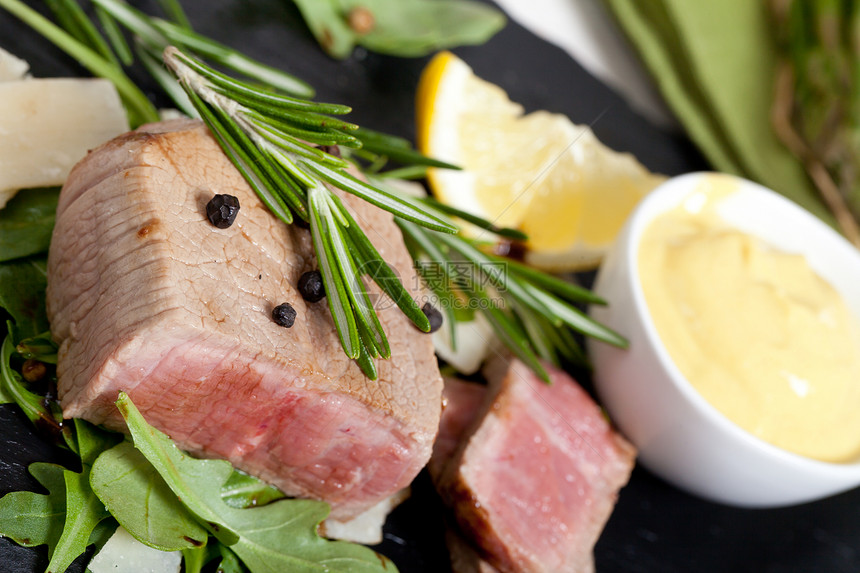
x: 72, y: 17
x: 114, y: 35
x: 174, y: 11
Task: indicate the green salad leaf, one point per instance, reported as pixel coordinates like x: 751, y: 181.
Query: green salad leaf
x: 22, y: 295
x: 408, y: 28
x: 229, y: 562
x: 195, y: 558
x: 141, y: 502
x: 279, y: 536
x: 241, y: 491
x: 31, y: 519
x: 26, y: 223
x: 170, y: 501
x: 70, y: 517
x: 83, y: 512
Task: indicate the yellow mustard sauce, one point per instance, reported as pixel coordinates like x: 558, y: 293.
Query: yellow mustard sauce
x: 756, y: 331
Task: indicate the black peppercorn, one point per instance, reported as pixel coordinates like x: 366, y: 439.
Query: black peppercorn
x: 222, y: 210
x: 284, y: 315
x: 311, y: 286
x: 433, y: 316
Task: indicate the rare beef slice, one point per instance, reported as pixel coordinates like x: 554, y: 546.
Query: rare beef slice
x: 531, y: 470
x: 145, y: 295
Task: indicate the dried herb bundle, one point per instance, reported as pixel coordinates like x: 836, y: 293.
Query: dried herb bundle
x: 816, y: 109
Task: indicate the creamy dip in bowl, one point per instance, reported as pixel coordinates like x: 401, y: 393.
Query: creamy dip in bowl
x: 742, y: 314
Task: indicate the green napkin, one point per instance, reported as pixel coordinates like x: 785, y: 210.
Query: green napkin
x: 715, y: 64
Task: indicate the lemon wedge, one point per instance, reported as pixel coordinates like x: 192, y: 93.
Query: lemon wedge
x: 537, y: 172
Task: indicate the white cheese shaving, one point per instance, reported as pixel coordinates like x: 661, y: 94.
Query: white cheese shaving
x: 475, y: 340
x: 365, y: 527
x: 12, y: 67
x: 48, y: 125
x: 124, y: 553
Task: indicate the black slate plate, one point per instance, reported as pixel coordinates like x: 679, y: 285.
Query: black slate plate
x: 655, y: 528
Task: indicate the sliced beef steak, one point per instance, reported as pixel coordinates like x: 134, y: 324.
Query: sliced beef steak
x: 461, y: 403
x: 536, y: 473
x: 146, y: 295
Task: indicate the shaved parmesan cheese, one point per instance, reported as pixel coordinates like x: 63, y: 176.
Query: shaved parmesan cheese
x: 12, y: 67
x: 122, y: 552
x: 475, y: 341
x: 365, y: 527
x: 48, y: 125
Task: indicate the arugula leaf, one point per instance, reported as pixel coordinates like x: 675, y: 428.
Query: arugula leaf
x: 69, y: 517
x: 229, y: 562
x: 242, y: 490
x: 22, y: 294
x: 194, y: 558
x: 26, y: 223
x: 407, y: 28
x: 102, y: 533
x: 282, y: 536
x: 91, y: 441
x: 84, y: 511
x: 32, y: 519
x: 140, y: 500
x: 279, y: 536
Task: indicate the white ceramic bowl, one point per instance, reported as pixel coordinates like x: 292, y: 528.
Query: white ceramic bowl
x: 680, y: 436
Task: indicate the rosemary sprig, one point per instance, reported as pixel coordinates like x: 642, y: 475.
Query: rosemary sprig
x: 389, y: 147
x: 267, y: 137
x: 532, y: 313
x: 153, y: 35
